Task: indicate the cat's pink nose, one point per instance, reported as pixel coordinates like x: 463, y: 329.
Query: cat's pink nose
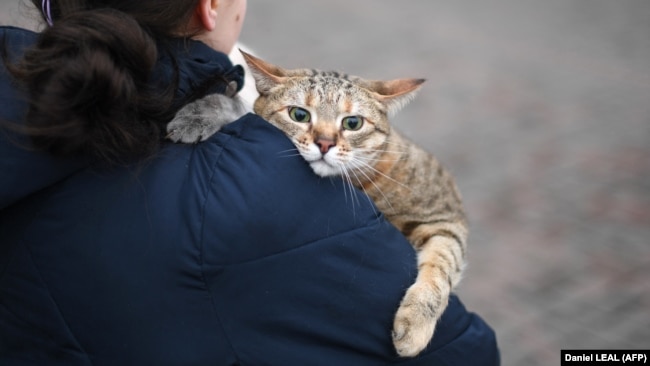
x: 325, y: 144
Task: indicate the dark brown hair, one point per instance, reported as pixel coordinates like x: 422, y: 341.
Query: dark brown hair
x: 87, y: 77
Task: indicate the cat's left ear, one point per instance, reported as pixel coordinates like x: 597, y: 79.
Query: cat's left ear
x: 395, y: 94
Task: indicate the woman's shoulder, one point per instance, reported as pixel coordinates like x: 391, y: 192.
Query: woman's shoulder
x: 258, y: 181
x: 285, y: 234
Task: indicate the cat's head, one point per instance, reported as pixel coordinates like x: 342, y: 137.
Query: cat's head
x: 339, y: 123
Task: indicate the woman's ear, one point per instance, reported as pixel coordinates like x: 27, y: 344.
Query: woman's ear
x: 207, y: 13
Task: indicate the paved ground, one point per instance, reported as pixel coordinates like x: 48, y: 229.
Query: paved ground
x: 542, y: 111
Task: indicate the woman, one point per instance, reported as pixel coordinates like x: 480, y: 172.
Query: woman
x: 120, y: 249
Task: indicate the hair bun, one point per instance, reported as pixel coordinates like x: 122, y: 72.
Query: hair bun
x: 86, y: 78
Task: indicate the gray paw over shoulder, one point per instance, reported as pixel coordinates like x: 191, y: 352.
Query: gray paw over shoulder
x: 199, y: 120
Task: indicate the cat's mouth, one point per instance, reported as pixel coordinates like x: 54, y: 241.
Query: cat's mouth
x: 324, y: 165
x: 323, y: 168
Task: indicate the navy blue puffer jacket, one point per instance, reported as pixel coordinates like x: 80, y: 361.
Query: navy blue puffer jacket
x: 228, y: 252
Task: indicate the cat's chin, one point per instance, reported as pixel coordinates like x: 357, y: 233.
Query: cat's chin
x: 323, y: 169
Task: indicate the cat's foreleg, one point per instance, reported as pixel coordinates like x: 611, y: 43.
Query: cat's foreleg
x: 199, y: 120
x: 440, y: 266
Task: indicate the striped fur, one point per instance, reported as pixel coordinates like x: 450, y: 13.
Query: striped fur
x: 411, y: 188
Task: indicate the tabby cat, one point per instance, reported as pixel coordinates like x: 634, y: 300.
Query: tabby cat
x: 339, y: 124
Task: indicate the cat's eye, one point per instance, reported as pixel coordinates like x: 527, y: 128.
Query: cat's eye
x: 299, y: 114
x: 352, y: 123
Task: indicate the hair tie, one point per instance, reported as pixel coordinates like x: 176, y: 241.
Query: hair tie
x: 45, y: 7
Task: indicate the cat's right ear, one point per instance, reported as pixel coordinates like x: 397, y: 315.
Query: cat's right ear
x: 395, y: 94
x: 266, y: 75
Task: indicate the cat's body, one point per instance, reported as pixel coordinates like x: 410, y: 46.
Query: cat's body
x: 339, y: 125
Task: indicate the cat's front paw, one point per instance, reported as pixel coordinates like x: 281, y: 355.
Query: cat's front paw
x: 191, y: 130
x: 199, y: 120
x: 416, y: 319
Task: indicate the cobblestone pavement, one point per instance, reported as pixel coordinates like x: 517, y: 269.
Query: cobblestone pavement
x: 542, y: 111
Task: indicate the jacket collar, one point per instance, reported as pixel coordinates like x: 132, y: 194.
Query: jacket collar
x: 197, y: 64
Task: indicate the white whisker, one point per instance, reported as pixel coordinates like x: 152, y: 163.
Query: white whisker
x: 287, y: 150
x: 284, y: 154
x: 380, y: 151
x: 362, y: 169
x: 360, y: 164
x: 372, y: 159
x: 347, y: 181
x: 366, y: 192
x: 290, y: 155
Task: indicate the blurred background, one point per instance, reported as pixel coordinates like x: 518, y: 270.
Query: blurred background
x: 541, y: 109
